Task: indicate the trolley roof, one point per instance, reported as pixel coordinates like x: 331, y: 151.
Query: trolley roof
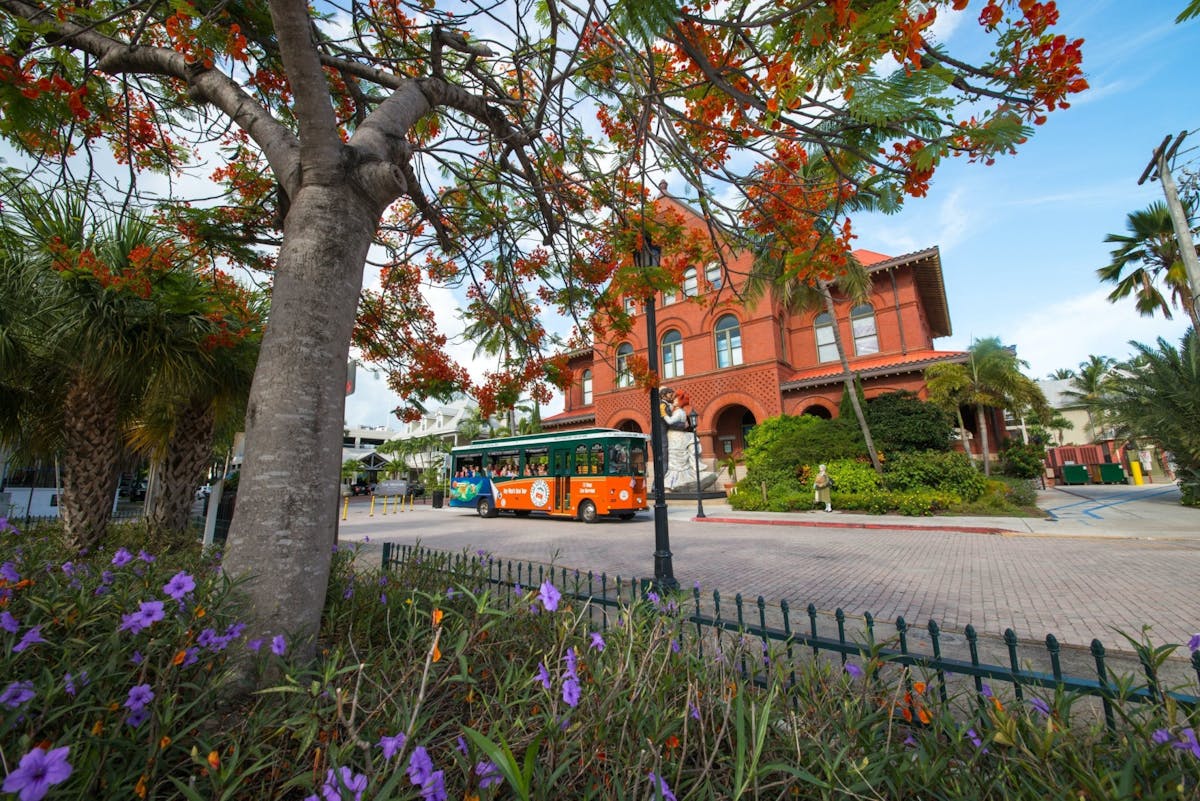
x: 533, y: 440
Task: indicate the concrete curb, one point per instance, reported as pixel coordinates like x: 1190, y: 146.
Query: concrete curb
x: 847, y: 524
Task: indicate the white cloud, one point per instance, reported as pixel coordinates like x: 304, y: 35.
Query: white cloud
x: 1065, y: 332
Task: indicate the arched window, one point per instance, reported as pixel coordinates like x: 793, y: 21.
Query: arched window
x: 624, y: 376
x: 631, y: 305
x: 826, y: 347
x: 714, y: 274
x: 862, y: 324
x: 689, y: 282
x: 587, y: 387
x: 729, y: 341
x: 672, y: 355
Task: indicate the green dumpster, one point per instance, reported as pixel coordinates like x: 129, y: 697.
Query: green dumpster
x: 1112, y: 474
x: 1075, y: 474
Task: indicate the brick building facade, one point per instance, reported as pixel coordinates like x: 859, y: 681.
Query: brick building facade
x: 743, y: 363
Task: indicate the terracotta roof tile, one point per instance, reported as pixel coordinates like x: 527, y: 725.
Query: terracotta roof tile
x: 871, y: 367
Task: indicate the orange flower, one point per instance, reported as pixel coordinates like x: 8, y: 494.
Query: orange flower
x: 97, y: 727
x: 437, y: 617
x: 437, y: 654
x: 200, y: 611
x: 214, y: 760
x: 179, y: 657
x: 140, y: 789
x: 923, y: 716
x: 919, y: 686
x: 671, y: 743
x: 163, y: 742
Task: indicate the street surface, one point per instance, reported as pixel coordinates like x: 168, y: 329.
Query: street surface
x: 1130, y: 559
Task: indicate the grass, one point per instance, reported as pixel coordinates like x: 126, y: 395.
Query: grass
x: 427, y: 686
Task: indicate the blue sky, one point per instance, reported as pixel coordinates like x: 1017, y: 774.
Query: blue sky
x: 1021, y: 240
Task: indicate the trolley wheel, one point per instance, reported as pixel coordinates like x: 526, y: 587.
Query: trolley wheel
x: 485, y: 508
x: 587, y: 512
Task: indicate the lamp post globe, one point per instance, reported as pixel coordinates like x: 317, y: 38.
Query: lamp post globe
x: 650, y: 256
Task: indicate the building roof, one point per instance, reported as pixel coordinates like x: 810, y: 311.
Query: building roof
x: 872, y: 367
x: 586, y: 414
x: 927, y: 275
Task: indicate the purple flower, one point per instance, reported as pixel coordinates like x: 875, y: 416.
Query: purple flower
x: 383, y: 599
x: 254, y: 644
x: 1194, y: 643
x: 17, y: 693
x: 137, y: 658
x: 543, y: 675
x: 1041, y: 706
x: 518, y: 590
x: 986, y: 691
x: 598, y: 641
x: 68, y: 568
x: 434, y: 788
x: 8, y: 572
x: 661, y: 788
x: 149, y: 613
x: 572, y: 662
x: 9, y: 623
x: 488, y: 773
x: 392, y: 745
x: 693, y: 711
x: 179, y: 586
x: 137, y: 717
x: 549, y: 596
x: 207, y: 638
x: 461, y: 745
x: 420, y: 766
x: 1161, y: 737
x: 279, y: 645
x: 571, y: 692
x: 122, y: 557
x: 1187, y: 742
x: 139, y: 696
x: 674, y: 646
x: 652, y: 596
x: 450, y: 592
x: 349, y: 593
x: 32, y: 637
x: 854, y: 670
x: 38, y: 772
x: 975, y: 739
x: 145, y: 557
x: 336, y: 781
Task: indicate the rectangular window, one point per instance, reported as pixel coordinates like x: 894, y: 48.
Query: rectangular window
x: 712, y: 274
x: 826, y: 347
x: 865, y: 339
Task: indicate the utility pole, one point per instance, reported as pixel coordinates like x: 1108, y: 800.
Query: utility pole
x: 1160, y: 168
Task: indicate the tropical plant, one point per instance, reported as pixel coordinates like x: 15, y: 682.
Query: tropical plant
x: 1061, y: 374
x: 1156, y: 396
x: 991, y: 378
x: 1088, y: 387
x: 778, y: 448
x: 1146, y: 262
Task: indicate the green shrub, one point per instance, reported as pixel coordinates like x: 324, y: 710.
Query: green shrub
x: 777, y: 447
x: 902, y: 422
x: 950, y: 472
x: 1023, y: 461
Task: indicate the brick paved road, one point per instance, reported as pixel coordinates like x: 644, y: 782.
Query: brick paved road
x: 1077, y: 587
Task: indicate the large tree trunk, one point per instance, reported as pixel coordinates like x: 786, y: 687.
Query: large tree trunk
x: 982, y: 422
x: 93, y: 445
x: 283, y: 529
x: 179, y: 471
x: 962, y: 435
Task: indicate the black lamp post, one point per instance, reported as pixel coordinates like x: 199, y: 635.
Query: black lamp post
x: 664, y: 574
x: 694, y: 418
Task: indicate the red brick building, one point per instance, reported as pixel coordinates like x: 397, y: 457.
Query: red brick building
x: 741, y: 364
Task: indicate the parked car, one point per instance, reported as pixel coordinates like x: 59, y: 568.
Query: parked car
x: 203, y: 492
x: 399, y: 486
x: 361, y: 488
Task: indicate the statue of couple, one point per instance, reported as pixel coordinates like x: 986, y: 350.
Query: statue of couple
x: 681, y: 441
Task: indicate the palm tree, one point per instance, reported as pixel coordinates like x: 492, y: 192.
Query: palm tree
x: 1061, y: 374
x: 1088, y: 387
x: 1156, y: 396
x: 990, y: 379
x: 771, y: 274
x: 1146, y: 259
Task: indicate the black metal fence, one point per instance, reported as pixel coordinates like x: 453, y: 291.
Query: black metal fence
x: 713, y: 617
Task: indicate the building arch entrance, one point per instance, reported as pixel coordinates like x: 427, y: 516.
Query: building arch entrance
x: 730, y: 427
